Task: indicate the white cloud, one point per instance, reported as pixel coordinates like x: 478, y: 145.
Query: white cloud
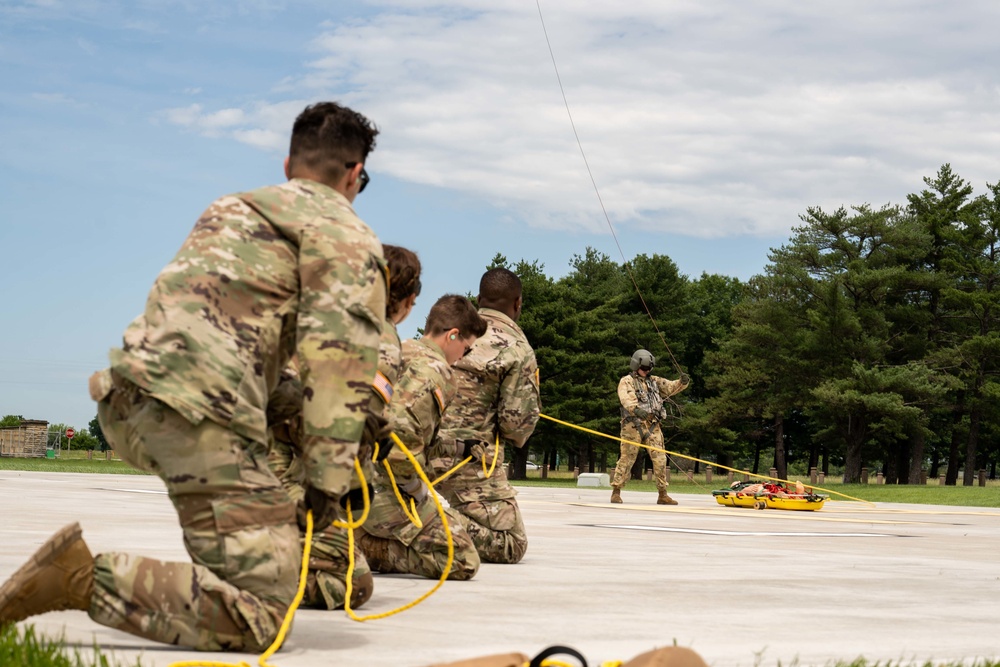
x: 706, y: 119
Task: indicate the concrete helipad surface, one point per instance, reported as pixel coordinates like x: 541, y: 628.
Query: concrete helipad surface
x: 741, y: 587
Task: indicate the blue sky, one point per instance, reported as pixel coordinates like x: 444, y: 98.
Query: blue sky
x: 709, y: 128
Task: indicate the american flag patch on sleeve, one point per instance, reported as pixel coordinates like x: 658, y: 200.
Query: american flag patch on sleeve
x: 382, y: 387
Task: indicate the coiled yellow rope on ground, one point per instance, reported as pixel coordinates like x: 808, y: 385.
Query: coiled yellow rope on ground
x: 692, y: 458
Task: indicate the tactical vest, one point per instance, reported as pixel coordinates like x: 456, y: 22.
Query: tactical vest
x: 647, y: 393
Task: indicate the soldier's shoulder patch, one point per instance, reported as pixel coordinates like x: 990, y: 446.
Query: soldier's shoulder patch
x: 382, y: 387
x: 439, y: 397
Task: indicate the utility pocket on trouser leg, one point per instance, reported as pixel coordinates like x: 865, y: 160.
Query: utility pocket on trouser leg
x: 120, y: 406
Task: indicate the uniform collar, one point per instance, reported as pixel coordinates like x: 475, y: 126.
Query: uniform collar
x: 502, y: 317
x: 433, y: 348
x: 321, y: 188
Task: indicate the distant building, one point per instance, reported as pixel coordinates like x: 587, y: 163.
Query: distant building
x: 27, y: 440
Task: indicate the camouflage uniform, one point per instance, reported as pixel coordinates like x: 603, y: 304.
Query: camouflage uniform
x: 390, y: 361
x: 264, y: 274
x: 328, y: 556
x: 646, y: 393
x: 392, y: 543
x: 328, y: 562
x: 497, y: 394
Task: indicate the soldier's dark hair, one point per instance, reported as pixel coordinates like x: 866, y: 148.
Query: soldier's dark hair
x: 326, y: 137
x: 404, y: 276
x: 499, y: 288
x: 454, y: 312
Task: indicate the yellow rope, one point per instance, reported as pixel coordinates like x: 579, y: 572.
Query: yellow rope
x: 444, y: 573
x: 364, y: 494
x: 285, y: 624
x: 412, y: 516
x: 451, y: 472
x: 692, y: 458
x: 496, y: 455
x: 486, y: 472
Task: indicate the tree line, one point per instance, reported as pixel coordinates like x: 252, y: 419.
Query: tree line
x: 871, y: 339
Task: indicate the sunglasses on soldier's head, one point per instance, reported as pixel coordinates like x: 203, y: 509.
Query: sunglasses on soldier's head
x: 363, y: 177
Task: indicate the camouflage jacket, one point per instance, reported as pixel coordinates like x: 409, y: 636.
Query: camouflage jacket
x: 282, y: 270
x: 390, y: 359
x: 496, y: 395
x: 423, y: 391
x: 646, y: 393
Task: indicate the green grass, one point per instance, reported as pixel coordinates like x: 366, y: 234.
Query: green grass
x: 929, y: 494
x: 70, y: 461
x: 24, y: 648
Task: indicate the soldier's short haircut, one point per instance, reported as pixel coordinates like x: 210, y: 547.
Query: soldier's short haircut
x: 454, y: 312
x: 404, y: 276
x: 326, y: 137
x: 499, y: 287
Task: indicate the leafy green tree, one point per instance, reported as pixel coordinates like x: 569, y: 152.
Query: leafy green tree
x: 97, y: 432
x: 11, y: 420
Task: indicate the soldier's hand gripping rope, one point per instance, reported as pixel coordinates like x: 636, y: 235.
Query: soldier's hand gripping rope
x: 375, y: 438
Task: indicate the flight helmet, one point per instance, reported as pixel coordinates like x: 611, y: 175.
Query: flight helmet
x: 642, y: 359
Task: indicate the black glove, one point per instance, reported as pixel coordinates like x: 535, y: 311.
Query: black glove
x: 685, y: 378
x: 468, y: 449
x: 357, y: 498
x: 376, y: 430
x: 384, y: 447
x: 641, y: 413
x: 324, y: 508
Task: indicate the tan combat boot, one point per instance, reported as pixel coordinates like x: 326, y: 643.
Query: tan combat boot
x: 375, y: 549
x: 664, y: 499
x: 616, y: 494
x: 671, y: 656
x: 60, y: 575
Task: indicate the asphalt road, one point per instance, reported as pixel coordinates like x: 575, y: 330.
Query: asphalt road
x: 743, y: 588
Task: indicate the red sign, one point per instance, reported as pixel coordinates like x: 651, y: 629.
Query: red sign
x: 70, y: 433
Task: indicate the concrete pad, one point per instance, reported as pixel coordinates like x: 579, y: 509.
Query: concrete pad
x: 598, y: 479
x: 741, y: 587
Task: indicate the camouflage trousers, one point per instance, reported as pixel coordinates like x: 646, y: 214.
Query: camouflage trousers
x: 487, y: 506
x: 393, y: 544
x: 648, y: 433
x: 239, y: 528
x: 496, y: 528
x: 326, y: 582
